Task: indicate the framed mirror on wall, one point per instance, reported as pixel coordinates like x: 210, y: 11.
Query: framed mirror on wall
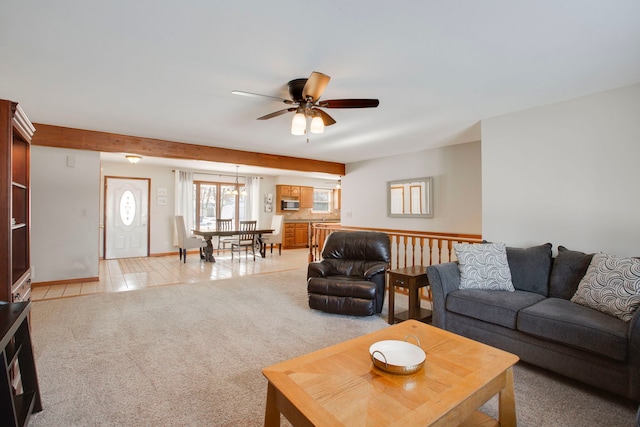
x: 411, y: 198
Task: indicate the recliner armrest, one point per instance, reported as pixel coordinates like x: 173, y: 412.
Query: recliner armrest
x: 318, y: 269
x: 375, y: 269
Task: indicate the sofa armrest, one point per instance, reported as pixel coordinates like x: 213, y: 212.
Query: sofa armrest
x: 318, y: 269
x: 634, y: 356
x: 443, y: 278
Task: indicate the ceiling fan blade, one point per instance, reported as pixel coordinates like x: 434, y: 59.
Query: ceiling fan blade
x: 243, y: 93
x: 327, y: 119
x: 277, y: 113
x: 315, y: 86
x: 349, y: 103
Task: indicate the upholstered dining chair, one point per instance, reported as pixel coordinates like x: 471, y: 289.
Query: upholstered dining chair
x: 245, y: 240
x: 275, y: 238
x: 224, y: 225
x: 350, y: 279
x: 186, y: 242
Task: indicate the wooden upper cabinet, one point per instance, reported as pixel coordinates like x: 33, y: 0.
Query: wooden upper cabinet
x: 337, y: 195
x: 306, y: 197
x: 294, y: 191
x: 283, y: 190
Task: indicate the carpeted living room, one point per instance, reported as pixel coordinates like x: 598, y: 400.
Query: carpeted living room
x: 493, y: 146
x: 191, y: 354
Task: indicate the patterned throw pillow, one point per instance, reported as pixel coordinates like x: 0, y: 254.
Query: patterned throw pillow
x: 611, y: 285
x: 484, y: 266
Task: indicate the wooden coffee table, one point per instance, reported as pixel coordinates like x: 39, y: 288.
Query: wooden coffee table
x: 339, y: 386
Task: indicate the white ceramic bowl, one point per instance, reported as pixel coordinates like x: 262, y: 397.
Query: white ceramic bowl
x: 397, y: 357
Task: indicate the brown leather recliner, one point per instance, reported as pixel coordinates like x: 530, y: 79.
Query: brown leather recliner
x: 350, y: 279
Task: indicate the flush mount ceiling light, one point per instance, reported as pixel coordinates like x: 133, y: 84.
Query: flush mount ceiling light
x: 236, y: 190
x: 132, y: 158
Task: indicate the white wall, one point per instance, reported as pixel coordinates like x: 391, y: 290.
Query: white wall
x: 566, y: 173
x: 457, y: 203
x: 64, y: 214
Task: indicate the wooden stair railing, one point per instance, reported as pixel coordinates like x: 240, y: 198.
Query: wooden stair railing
x: 408, y: 247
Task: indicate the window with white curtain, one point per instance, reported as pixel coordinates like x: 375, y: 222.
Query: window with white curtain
x: 212, y: 200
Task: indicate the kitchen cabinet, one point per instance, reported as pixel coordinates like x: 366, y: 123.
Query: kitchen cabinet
x: 306, y: 197
x: 296, y: 235
x: 287, y: 192
x: 337, y: 195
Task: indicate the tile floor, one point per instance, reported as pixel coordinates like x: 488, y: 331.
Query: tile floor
x: 118, y: 275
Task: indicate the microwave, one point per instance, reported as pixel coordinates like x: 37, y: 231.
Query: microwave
x: 290, y: 205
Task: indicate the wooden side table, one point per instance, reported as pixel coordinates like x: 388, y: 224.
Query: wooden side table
x: 412, y: 278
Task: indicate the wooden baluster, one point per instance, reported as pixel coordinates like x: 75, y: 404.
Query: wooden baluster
x: 439, y: 251
x: 312, y: 238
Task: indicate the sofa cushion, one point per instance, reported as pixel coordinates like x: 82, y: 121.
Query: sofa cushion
x: 497, y: 307
x: 569, y: 267
x: 560, y: 320
x: 611, y: 285
x: 530, y: 268
x: 483, y: 266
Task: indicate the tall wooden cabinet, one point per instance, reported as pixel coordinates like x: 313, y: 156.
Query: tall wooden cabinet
x: 16, y: 132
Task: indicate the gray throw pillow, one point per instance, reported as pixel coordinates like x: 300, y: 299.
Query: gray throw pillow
x: 530, y: 268
x: 569, y: 267
x: 611, y: 286
x: 483, y: 266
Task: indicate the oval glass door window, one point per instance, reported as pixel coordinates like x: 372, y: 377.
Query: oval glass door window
x: 127, y: 208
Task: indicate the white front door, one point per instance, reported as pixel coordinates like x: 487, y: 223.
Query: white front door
x: 126, y: 217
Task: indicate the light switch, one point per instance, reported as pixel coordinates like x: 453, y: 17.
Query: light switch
x: 71, y: 161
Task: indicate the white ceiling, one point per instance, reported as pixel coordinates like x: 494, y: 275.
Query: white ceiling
x: 165, y: 69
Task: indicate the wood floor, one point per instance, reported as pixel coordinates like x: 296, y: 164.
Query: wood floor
x: 118, y: 275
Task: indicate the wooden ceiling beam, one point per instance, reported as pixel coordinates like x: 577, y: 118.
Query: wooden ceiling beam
x: 80, y: 139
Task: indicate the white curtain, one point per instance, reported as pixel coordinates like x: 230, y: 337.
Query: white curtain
x: 183, y: 201
x: 252, y: 202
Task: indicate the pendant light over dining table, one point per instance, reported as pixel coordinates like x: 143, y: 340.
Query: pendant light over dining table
x: 236, y: 189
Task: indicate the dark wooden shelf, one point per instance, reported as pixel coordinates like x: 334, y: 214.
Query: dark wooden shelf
x: 15, y: 342
x: 424, y: 316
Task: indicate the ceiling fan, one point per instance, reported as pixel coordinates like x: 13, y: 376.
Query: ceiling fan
x: 305, y: 101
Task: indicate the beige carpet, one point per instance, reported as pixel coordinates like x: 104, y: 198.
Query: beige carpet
x: 191, y: 355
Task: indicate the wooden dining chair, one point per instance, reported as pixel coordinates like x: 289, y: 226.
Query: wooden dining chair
x: 224, y: 225
x: 245, y: 240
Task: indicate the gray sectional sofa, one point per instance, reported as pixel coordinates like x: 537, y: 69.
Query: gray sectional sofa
x: 539, y: 323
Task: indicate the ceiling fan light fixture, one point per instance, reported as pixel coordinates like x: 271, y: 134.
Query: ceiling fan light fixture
x: 299, y: 123
x: 317, y: 125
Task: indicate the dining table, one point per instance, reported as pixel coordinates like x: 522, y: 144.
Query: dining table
x: 208, y: 236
